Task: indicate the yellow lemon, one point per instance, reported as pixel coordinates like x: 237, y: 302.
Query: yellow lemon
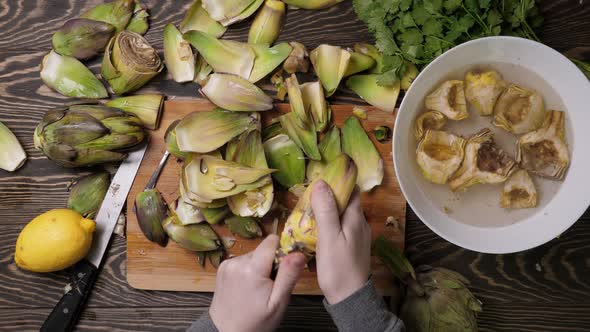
x: 53, y: 241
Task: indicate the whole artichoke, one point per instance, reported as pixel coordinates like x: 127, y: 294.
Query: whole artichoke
x: 85, y: 135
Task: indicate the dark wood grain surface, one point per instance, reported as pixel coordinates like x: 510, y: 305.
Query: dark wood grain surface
x: 544, y: 289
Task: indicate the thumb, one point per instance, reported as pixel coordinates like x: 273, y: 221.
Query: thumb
x: 289, y: 271
x: 325, y: 211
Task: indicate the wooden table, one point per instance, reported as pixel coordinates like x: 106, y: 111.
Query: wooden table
x: 544, y: 289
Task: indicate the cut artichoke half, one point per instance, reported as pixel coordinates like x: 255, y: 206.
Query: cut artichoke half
x: 484, y: 163
x: 330, y: 64
x: 519, y: 191
x: 235, y: 93
x: 449, y: 99
x: 439, y: 155
x: 519, y: 110
x: 545, y: 151
x: 482, y: 90
x: 431, y: 120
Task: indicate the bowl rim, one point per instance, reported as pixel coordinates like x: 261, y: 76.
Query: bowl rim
x: 524, y: 234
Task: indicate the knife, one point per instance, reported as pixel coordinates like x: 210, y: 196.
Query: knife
x: 67, y: 311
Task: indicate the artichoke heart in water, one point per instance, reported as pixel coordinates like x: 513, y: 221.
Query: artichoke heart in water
x: 431, y: 120
x: 545, y: 151
x: 439, y: 155
x: 519, y: 191
x: 449, y: 99
x: 519, y: 110
x: 482, y: 90
x: 484, y: 163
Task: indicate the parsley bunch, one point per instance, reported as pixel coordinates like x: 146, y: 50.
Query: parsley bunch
x: 418, y: 31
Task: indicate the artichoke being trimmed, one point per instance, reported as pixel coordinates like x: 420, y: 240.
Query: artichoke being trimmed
x: 449, y: 99
x: 197, y: 18
x: 330, y: 64
x: 148, y: 108
x: 268, y: 23
x: 439, y: 155
x: 430, y: 120
x: 87, y: 194
x: 234, y: 93
x: 519, y: 191
x: 117, y: 13
x: 151, y: 212
x: 287, y: 158
x: 482, y: 90
x: 519, y: 110
x: 85, y: 135
x: 82, y: 38
x: 12, y: 155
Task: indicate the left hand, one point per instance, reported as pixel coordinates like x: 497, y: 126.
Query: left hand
x: 246, y: 299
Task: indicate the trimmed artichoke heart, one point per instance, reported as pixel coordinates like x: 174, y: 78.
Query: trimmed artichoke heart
x: 482, y: 90
x: 519, y: 110
x: 431, y: 120
x: 449, y: 99
x: 439, y: 155
x: 484, y: 163
x: 519, y: 192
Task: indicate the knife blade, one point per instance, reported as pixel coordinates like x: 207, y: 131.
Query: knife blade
x: 67, y: 311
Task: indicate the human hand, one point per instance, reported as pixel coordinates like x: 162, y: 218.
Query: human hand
x: 245, y: 298
x: 343, y: 251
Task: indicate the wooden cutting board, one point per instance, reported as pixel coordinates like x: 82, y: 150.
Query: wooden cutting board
x: 152, y: 267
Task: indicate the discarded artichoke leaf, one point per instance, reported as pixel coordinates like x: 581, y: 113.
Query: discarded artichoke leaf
x: 360, y: 148
x: 215, y: 257
x: 224, y: 56
x: 197, y: 201
x: 312, y: 4
x: 429, y: 120
x: 249, y: 11
x: 360, y: 113
x: 207, y: 131
x: 449, y: 99
x: 545, y: 151
x: 287, y: 158
x: 277, y: 80
x: 271, y: 131
x: 519, y: 110
x: 302, y: 134
x: 484, y: 163
x: 201, y: 255
x: 296, y: 101
x: 267, y: 24
x: 12, y: 155
x: 148, y: 108
x: 245, y: 227
x: 171, y: 144
x: 382, y: 134
x: 330, y: 148
x: 151, y: 211
x: 382, y: 97
x: 439, y: 155
x: 70, y: 77
x: 215, y: 215
x: 298, y: 60
x: 482, y: 90
x: 198, y: 19
x: 202, y: 71
x: 178, y: 55
x: 187, y: 214
x: 224, y: 9
x: 139, y: 21
x: 268, y: 59
x: 117, y: 13
x: 88, y: 192
x: 82, y: 38
x: 409, y: 76
x: 330, y: 64
x: 519, y: 191
x: 358, y: 62
x: 234, y: 93
x: 314, y: 100
x: 373, y: 52
x: 193, y: 237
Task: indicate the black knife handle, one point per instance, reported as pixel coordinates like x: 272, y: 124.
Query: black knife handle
x: 67, y: 311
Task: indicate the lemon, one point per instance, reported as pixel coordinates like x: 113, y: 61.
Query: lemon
x: 53, y: 241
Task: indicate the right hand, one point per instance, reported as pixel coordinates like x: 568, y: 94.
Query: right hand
x: 343, y: 251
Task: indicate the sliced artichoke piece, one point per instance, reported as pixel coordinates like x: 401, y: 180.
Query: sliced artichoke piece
x: 312, y: 4
x: 268, y: 23
x: 439, y: 155
x: 519, y: 191
x: 315, y: 101
x: 12, y: 155
x: 330, y: 64
x: 431, y: 120
x: 330, y: 149
x: 117, y: 13
x: 194, y: 237
x: 234, y: 93
x: 197, y: 18
x: 187, y: 214
x: 287, y: 158
x: 82, y: 38
x: 245, y: 227
x: 87, y: 193
x: 545, y: 151
x: 139, y: 21
x: 519, y: 110
x: 303, y: 134
x: 148, y: 108
x: 298, y: 60
x: 224, y: 56
x: 151, y: 211
x: 203, y: 132
x: 178, y: 54
x: 359, y: 147
x: 484, y: 163
x: 268, y: 59
x: 358, y: 62
x: 449, y: 99
x: 382, y: 97
x: 482, y: 90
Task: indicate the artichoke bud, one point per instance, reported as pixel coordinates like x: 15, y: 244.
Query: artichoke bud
x: 373, y: 52
x: 228, y: 12
x: 300, y: 232
x: 234, y: 93
x: 171, y: 145
x: 214, y: 216
x: 449, y: 99
x: 430, y: 120
x: 312, y: 4
x: 202, y: 71
x: 268, y: 59
x: 139, y: 21
x: 245, y: 227
x: 178, y: 55
x: 330, y: 149
x: 87, y: 194
x: 12, y: 155
x: 82, y: 38
x: 314, y: 99
x: 267, y: 24
x: 70, y: 77
x: 198, y: 19
x: 482, y: 90
x: 519, y: 110
x: 298, y: 59
x: 224, y: 56
x: 129, y: 62
x: 117, y: 13
x: 303, y: 134
x: 193, y: 237
x: 484, y: 163
x: 382, y: 133
x: 439, y: 155
x: 151, y: 212
x: 358, y: 62
x: 367, y: 87
x: 357, y: 144
x: 285, y: 156
x: 148, y: 108
x: 330, y: 64
x: 519, y: 191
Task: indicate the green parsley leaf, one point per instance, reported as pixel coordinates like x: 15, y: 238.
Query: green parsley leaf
x: 405, y: 5
x: 452, y: 5
x: 432, y: 27
x: 407, y: 21
x: 411, y: 37
x: 420, y: 14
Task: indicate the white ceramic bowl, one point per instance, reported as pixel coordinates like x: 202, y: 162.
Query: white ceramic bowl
x: 474, y: 219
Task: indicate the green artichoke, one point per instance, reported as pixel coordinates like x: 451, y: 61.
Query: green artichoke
x: 84, y: 135
x: 82, y: 38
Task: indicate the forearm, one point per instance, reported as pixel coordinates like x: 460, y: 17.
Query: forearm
x: 203, y: 324
x: 364, y: 310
